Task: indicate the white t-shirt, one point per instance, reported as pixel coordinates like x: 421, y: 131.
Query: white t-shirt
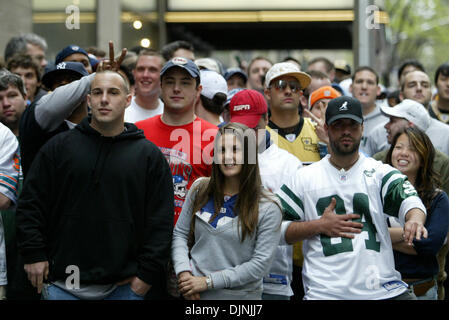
x: 276, y: 166
x: 9, y: 176
x: 136, y: 113
x: 370, y: 121
x: 341, y: 268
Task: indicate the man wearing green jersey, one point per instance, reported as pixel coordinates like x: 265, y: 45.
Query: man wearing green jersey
x: 347, y: 263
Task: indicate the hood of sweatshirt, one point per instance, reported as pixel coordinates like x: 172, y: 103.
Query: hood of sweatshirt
x: 130, y: 132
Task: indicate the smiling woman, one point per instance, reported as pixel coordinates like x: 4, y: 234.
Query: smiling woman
x: 229, y: 227
x: 412, y: 153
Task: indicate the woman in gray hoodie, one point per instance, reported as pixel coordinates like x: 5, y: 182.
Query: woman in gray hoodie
x: 229, y: 227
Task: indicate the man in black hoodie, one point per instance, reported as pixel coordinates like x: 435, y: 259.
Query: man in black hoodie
x: 95, y: 215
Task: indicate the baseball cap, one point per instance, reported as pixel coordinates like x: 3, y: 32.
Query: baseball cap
x: 409, y: 110
x: 231, y: 95
x: 326, y: 92
x: 67, y: 51
x: 75, y: 68
x: 344, y: 107
x: 232, y: 71
x: 247, y: 106
x: 343, y: 66
x: 183, y: 63
x: 289, y: 69
x: 212, y: 83
x: 208, y: 63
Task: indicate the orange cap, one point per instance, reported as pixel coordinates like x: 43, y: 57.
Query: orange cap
x: 326, y: 92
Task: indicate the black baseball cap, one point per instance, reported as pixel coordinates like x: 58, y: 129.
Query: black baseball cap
x: 344, y: 107
x: 183, y: 63
x: 232, y: 71
x: 75, y: 68
x: 69, y: 50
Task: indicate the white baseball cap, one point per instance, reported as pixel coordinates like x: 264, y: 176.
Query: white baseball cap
x: 208, y: 63
x: 289, y: 69
x: 212, y: 83
x: 409, y: 110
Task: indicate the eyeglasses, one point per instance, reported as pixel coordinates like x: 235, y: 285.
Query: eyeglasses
x: 295, y: 86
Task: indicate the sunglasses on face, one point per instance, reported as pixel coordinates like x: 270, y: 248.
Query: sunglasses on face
x: 295, y: 86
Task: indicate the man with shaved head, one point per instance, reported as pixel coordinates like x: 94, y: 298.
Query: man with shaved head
x: 111, y: 225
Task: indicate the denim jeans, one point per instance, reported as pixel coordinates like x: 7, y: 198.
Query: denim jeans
x: 124, y: 292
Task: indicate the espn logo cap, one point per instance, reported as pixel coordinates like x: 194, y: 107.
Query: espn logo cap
x: 247, y: 106
x: 344, y: 107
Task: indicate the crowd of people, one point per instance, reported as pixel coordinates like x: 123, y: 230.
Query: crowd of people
x: 159, y: 175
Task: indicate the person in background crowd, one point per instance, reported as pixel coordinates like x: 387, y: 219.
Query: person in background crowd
x: 30, y: 72
x: 412, y: 153
x: 210, y: 64
x: 257, y: 69
x: 183, y: 138
x: 393, y: 98
x: 276, y: 166
x: 290, y: 131
x: 146, y: 102
x: 236, y: 78
x: 318, y: 101
x: 318, y: 80
x: 229, y: 226
x: 13, y: 100
x: 226, y: 114
x: 292, y: 60
x: 365, y: 88
x: 326, y: 66
x: 213, y: 96
x: 28, y: 43
x: 179, y: 48
x: 342, y: 70
x: 74, y: 53
x: 415, y: 87
x: 408, y: 66
x: 439, y: 107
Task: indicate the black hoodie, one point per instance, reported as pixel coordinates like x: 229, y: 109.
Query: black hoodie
x: 103, y: 204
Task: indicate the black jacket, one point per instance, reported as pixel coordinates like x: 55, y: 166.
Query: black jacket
x: 102, y: 204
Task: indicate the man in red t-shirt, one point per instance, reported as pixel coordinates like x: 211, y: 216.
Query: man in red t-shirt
x: 184, y: 139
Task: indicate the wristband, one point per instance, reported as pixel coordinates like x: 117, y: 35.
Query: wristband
x: 209, y: 283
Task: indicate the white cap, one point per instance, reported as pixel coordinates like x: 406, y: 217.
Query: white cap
x: 208, y: 63
x: 409, y: 110
x: 289, y: 69
x: 212, y: 83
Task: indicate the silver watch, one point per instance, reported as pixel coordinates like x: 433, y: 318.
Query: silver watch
x: 209, y: 282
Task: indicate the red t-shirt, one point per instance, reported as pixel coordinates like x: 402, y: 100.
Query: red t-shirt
x: 188, y: 149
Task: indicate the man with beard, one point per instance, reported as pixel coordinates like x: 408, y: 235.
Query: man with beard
x: 349, y: 263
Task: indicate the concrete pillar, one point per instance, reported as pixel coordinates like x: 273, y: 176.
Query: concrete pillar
x: 162, y: 27
x: 109, y: 25
x: 16, y: 17
x: 365, y: 28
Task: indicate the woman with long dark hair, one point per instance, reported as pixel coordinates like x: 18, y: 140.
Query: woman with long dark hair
x: 229, y: 227
x: 412, y: 153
